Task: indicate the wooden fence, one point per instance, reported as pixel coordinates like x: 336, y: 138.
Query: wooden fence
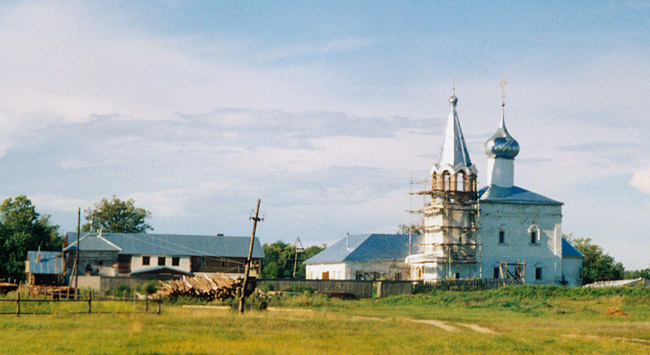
x: 461, y: 285
x: 89, y: 300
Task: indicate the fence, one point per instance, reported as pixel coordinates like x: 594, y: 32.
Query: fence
x: 461, y: 285
x: 359, y: 289
x: 89, y: 300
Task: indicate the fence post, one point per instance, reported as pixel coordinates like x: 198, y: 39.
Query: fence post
x: 90, y: 301
x: 18, y: 304
x: 159, y: 302
x: 146, y: 302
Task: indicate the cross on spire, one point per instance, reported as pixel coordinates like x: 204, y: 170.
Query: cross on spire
x: 503, y: 91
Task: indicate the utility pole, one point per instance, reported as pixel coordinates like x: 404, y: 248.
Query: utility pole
x: 255, y: 219
x: 295, y: 259
x: 76, y: 261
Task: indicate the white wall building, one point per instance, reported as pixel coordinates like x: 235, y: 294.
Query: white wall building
x: 500, y: 231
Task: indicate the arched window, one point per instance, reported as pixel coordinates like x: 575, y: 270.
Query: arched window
x: 446, y: 181
x: 461, y: 183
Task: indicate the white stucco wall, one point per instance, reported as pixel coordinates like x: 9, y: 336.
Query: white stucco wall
x: 516, y: 221
x: 136, y: 262
x: 572, y: 269
x: 336, y: 271
x: 501, y: 172
x: 348, y: 271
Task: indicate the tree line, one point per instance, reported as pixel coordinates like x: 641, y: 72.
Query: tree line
x: 22, y: 229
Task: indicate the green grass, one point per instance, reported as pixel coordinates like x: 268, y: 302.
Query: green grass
x: 527, y: 320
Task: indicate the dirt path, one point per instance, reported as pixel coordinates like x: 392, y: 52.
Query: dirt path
x: 436, y: 323
x: 478, y: 328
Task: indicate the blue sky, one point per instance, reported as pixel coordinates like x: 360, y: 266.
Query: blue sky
x: 322, y: 109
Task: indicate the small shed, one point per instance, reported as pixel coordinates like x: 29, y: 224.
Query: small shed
x: 43, y: 267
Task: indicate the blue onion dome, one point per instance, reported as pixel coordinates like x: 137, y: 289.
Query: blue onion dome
x: 501, y: 144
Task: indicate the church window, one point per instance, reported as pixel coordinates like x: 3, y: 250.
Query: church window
x: 534, y: 234
x: 538, y: 273
x: 460, y: 181
x: 446, y: 181
x: 496, y: 272
x: 502, y: 237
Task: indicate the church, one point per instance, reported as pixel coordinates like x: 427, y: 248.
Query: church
x: 501, y: 231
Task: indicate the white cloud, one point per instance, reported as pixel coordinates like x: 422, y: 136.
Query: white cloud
x: 60, y: 203
x: 641, y: 180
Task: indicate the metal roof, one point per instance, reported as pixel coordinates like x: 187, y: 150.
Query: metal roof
x: 570, y: 250
x: 157, y: 269
x: 176, y: 244
x: 364, y: 248
x: 454, y: 150
x: 92, y: 242
x: 50, y: 262
x: 513, y: 194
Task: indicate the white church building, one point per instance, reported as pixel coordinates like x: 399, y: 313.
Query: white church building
x: 500, y: 231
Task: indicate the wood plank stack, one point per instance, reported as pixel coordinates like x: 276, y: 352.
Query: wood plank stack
x: 216, y: 286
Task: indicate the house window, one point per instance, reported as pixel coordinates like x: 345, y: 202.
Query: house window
x: 146, y: 260
x: 502, y: 237
x: 224, y: 262
x: 538, y: 273
x: 496, y: 273
x: 176, y: 261
x: 533, y: 237
x: 161, y: 261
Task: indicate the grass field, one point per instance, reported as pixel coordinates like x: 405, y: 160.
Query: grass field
x: 509, y: 320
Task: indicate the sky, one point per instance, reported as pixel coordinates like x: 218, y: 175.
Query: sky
x: 323, y: 110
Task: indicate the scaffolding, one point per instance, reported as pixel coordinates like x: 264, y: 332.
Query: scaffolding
x: 513, y: 272
x: 459, y: 243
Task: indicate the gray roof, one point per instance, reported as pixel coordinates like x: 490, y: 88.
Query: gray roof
x: 570, y: 250
x: 170, y: 244
x: 50, y: 262
x: 364, y: 248
x: 454, y: 150
x: 89, y: 241
x: 513, y: 194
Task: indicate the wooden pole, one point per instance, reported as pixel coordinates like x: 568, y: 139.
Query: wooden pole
x: 76, y: 261
x: 146, y: 303
x: 18, y: 304
x: 90, y: 302
x: 159, y: 303
x: 247, y: 268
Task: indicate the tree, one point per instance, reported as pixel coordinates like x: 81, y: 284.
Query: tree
x: 117, y: 216
x: 635, y: 274
x: 597, y: 265
x: 279, y: 259
x: 23, y: 229
x: 404, y: 229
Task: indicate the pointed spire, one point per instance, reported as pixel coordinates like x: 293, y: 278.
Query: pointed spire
x: 454, y: 150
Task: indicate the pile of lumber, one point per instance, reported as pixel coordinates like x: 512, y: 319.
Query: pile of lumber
x: 216, y: 286
x: 51, y: 292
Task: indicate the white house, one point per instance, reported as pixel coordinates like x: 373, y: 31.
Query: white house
x: 361, y: 257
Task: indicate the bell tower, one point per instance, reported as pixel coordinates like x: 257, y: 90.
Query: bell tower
x: 449, y: 246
